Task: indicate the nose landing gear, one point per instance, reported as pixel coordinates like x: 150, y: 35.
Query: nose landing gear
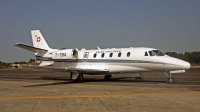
x: 170, y: 79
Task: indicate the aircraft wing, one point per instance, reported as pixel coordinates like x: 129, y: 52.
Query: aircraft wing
x: 30, y: 48
x: 80, y: 70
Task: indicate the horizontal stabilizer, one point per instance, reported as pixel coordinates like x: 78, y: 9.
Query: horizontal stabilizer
x: 30, y: 48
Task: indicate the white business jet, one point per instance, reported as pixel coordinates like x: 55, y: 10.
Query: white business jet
x: 133, y: 61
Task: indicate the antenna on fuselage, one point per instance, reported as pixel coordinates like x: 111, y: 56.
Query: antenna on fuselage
x: 98, y: 48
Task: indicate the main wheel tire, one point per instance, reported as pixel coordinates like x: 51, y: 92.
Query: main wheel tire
x: 79, y: 78
x: 107, y: 77
x: 170, y: 80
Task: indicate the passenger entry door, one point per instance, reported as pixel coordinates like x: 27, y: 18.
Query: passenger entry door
x: 85, y: 56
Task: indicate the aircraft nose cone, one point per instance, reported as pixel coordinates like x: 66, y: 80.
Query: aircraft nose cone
x: 180, y: 64
x: 185, y: 65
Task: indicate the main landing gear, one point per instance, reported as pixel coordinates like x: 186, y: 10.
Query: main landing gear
x: 170, y: 79
x: 77, y: 77
x: 107, y: 77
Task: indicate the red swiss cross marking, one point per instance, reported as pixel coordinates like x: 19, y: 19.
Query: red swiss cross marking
x: 38, y: 39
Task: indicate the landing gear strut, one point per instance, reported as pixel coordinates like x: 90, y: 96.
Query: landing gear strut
x: 107, y: 77
x: 71, y: 76
x: 170, y: 79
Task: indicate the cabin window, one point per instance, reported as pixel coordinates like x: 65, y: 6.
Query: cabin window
x: 102, y: 55
x: 95, y: 55
x: 119, y: 54
x: 151, y: 53
x: 111, y: 54
x: 146, y: 54
x: 128, y: 54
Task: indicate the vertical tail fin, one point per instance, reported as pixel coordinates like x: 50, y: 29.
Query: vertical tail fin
x: 38, y: 40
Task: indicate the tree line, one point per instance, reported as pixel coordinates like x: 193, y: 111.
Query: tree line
x: 4, y: 65
x: 24, y: 62
x: 191, y: 57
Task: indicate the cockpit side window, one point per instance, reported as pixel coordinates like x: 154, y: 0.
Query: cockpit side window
x: 158, y: 53
x: 151, y: 53
x: 146, y: 54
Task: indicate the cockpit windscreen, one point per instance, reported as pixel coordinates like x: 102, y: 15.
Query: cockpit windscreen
x: 158, y: 53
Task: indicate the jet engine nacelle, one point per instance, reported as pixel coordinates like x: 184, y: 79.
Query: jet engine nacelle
x: 68, y: 54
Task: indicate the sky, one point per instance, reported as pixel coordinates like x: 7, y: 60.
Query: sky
x: 167, y: 25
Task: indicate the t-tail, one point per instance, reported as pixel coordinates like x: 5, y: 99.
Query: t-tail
x: 40, y: 48
x: 38, y: 40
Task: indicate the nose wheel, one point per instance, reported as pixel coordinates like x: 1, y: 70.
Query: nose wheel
x: 170, y: 79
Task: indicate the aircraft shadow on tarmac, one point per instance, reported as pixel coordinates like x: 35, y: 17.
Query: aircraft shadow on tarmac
x: 87, y: 80
x: 48, y: 84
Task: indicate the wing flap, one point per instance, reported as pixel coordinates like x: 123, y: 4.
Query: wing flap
x: 30, y: 48
x: 80, y: 70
